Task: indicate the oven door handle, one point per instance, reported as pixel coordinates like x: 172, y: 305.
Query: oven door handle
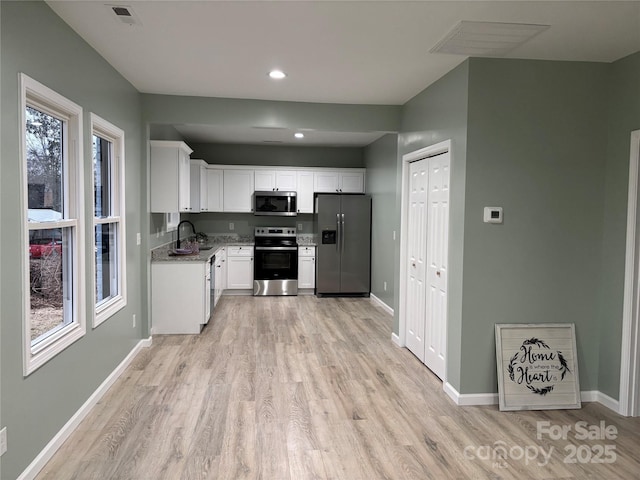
x: 288, y: 249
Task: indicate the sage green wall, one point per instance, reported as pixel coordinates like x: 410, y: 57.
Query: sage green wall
x: 278, y: 155
x: 437, y: 114
x: 164, y: 132
x: 623, y: 96
x: 172, y: 110
x: 381, y: 161
x: 34, y: 40
x: 536, y: 146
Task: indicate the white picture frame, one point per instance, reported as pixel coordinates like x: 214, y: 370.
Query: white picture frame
x: 537, y: 366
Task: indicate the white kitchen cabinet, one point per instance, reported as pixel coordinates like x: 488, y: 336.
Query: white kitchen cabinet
x: 325, y: 182
x: 282, y: 180
x: 208, y: 306
x: 220, y: 273
x: 179, y: 297
x: 199, y: 188
x: 215, y: 190
x: 238, y: 190
x: 340, y: 181
x: 239, y: 267
x: 170, y: 176
x: 306, y: 267
x: 304, y: 197
x: 351, y: 182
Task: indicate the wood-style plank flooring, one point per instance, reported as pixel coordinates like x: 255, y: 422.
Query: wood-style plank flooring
x: 297, y: 388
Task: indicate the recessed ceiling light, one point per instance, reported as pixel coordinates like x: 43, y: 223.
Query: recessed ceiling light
x: 277, y: 74
x: 298, y: 135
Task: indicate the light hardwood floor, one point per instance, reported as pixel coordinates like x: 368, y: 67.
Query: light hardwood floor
x: 282, y: 388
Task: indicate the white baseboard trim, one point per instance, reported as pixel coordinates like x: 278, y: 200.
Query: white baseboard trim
x: 471, y: 399
x: 396, y: 339
x: 56, y: 442
x: 376, y: 301
x: 601, y: 398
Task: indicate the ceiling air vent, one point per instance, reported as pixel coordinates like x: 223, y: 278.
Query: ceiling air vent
x: 125, y: 14
x: 486, y: 39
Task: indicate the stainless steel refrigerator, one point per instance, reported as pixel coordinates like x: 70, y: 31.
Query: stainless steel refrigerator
x: 343, y: 257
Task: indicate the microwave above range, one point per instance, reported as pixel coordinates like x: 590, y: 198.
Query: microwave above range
x: 275, y: 203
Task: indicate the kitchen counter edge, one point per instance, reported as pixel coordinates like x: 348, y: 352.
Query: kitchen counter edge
x: 161, y: 254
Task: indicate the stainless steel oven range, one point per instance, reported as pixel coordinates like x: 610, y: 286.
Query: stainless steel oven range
x: 275, y: 269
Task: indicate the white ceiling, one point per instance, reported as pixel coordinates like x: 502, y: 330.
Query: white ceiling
x: 353, y: 52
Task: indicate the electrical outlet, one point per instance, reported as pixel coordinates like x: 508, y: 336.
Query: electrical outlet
x: 157, y: 233
x: 138, y: 238
x: 394, y: 235
x: 384, y: 286
x: 3, y: 441
x: 134, y: 320
x: 299, y: 226
x: 231, y: 226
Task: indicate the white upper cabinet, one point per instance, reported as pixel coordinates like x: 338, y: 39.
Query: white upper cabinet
x: 170, y: 177
x: 304, y: 197
x: 341, y: 181
x: 215, y: 190
x: 271, y: 180
x: 325, y: 182
x: 351, y: 182
x: 238, y: 190
x: 199, y: 190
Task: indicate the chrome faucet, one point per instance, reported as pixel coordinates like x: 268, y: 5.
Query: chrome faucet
x: 178, y: 231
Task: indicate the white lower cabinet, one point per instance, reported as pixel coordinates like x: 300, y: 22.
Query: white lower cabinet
x: 239, y: 267
x: 220, y: 275
x: 179, y: 297
x: 306, y: 267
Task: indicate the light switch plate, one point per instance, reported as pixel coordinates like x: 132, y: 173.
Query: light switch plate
x: 492, y: 214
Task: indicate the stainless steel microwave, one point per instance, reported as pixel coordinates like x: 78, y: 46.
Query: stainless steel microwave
x: 275, y: 203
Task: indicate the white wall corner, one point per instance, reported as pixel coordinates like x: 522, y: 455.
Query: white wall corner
x: 396, y: 339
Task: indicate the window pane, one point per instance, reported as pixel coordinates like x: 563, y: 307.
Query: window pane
x: 50, y: 274
x: 102, y: 176
x: 44, y: 146
x: 106, y: 262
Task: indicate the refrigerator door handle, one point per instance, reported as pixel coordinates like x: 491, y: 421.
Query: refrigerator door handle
x: 338, y: 232
x: 342, y: 235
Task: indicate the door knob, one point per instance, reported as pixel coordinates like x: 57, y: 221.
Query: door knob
x: 413, y: 264
x: 438, y: 273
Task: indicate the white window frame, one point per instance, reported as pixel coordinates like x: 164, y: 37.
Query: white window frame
x: 35, y: 94
x: 115, y: 135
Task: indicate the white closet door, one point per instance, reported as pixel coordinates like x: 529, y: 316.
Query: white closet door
x: 417, y: 242
x: 437, y: 271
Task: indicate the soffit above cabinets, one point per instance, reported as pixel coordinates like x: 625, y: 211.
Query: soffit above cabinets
x: 274, y: 136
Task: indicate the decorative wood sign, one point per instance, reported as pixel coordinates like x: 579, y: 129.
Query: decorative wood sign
x: 537, y: 366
